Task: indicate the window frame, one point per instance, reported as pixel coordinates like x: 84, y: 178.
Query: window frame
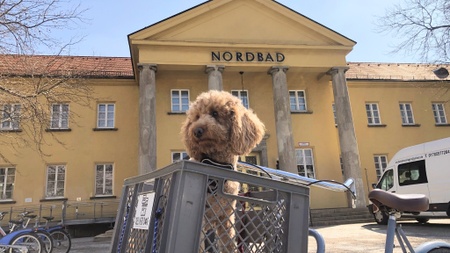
x: 104, y: 179
x: 370, y: 113
x: 297, y: 103
x: 106, y: 117
x: 380, y: 166
x: 180, y: 154
x: 7, y: 176
x: 406, y: 119
x: 181, y: 107
x: 418, y: 166
x: 440, y: 117
x: 305, y: 163
x: 333, y: 108
x: 60, y: 116
x: 55, y: 187
x: 13, y: 120
x: 245, y: 102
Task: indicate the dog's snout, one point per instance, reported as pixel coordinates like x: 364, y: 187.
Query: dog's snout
x: 198, y: 132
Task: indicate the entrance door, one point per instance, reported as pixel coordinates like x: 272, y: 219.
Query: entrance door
x: 252, y: 158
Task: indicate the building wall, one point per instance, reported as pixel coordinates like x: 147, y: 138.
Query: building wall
x: 82, y: 148
x: 389, y: 139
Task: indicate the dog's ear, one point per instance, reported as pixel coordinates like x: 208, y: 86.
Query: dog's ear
x: 247, y: 131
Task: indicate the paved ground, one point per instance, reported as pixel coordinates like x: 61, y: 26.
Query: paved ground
x: 362, y: 237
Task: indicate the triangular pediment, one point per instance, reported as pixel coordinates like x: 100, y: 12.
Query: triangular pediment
x: 257, y: 22
x: 222, y: 31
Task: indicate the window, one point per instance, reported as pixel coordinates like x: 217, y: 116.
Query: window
x: 242, y: 95
x: 439, y: 113
x: 297, y: 100
x: 380, y: 164
x: 305, y: 162
x: 104, y: 179
x: 10, y: 117
x: 60, y: 116
x: 373, y: 115
x: 178, y: 156
x: 105, y: 116
x: 412, y: 173
x: 180, y: 100
x: 387, y: 181
x: 406, y: 114
x: 56, y: 177
x: 7, y: 176
x: 333, y: 107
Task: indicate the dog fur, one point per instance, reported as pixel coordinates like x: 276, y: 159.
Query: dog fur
x: 220, y: 128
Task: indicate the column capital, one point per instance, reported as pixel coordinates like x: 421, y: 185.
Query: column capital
x: 151, y: 66
x: 210, y: 68
x: 274, y: 69
x: 335, y: 70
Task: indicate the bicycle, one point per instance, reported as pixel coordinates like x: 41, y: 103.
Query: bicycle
x: 393, y: 204
x: 23, y: 222
x: 57, y: 239
x: 20, y: 241
x: 61, y: 238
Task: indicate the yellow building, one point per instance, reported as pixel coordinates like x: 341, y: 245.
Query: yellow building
x: 345, y: 118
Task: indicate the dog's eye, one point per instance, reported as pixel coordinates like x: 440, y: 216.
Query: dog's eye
x: 215, y: 114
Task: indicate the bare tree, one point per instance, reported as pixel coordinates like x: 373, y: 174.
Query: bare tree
x: 31, y: 84
x: 29, y: 26
x: 423, y: 27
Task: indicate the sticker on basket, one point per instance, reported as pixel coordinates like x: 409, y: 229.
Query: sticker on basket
x: 143, y: 212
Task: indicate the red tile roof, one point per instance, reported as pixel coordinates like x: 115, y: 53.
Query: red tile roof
x: 392, y: 71
x: 121, y: 67
x: 86, y: 66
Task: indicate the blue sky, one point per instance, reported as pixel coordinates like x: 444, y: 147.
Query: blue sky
x: 110, y: 21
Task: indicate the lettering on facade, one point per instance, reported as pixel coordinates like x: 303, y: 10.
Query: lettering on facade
x: 228, y: 56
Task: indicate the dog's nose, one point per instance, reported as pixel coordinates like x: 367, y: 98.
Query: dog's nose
x: 198, y: 132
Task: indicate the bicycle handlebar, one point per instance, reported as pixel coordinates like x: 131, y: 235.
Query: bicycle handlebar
x: 348, y: 185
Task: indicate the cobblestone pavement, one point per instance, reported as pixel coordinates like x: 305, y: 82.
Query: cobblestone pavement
x: 358, y: 238
x: 89, y: 245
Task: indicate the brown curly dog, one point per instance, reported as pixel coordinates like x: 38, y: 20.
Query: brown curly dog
x: 218, y: 127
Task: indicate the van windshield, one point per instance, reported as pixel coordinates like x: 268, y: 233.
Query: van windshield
x: 387, y: 181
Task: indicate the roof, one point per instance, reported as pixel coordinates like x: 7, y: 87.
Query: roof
x: 392, y: 71
x: 85, y: 66
x: 120, y: 67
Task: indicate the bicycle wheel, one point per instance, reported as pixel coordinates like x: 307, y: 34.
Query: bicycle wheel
x: 61, y: 241
x: 31, y: 241
x: 46, y: 238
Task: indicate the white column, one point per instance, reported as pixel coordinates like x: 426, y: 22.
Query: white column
x: 347, y: 137
x: 147, y: 118
x: 286, y: 152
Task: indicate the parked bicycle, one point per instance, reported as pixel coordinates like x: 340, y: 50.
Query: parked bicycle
x: 392, y: 204
x: 56, y: 238
x: 20, y: 241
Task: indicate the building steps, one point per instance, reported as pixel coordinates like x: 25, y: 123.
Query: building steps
x: 337, y: 216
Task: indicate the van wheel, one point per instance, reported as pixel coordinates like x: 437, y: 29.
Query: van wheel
x: 422, y: 220
x: 381, y: 218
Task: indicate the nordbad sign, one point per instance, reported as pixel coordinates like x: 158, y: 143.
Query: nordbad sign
x: 228, y: 56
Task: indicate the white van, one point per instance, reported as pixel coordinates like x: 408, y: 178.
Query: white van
x: 420, y: 169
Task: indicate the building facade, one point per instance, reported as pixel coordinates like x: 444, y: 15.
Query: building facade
x: 325, y: 118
